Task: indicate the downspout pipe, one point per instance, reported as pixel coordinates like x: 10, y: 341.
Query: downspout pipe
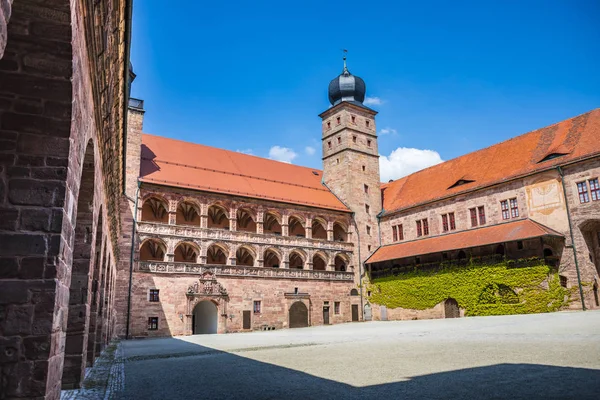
x: 360, y: 263
x: 133, y: 228
x: 562, y: 177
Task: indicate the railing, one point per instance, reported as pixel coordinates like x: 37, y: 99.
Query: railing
x: 196, y: 232
x: 476, y: 261
x: 241, y: 271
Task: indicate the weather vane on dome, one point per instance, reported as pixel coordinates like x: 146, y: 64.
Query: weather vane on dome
x: 345, y: 54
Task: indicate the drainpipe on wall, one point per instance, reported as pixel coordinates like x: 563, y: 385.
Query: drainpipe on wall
x: 560, y: 172
x: 135, y: 213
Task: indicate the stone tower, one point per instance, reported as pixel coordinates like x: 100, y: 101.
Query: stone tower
x: 351, y: 158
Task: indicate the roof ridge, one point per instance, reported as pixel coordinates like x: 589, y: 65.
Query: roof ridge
x: 234, y: 152
x: 497, y: 144
x: 234, y: 174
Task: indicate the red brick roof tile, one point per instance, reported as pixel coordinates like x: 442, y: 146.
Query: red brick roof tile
x: 188, y: 165
x: 501, y: 233
x: 577, y: 138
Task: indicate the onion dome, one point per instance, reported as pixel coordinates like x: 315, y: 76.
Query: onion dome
x: 347, y: 87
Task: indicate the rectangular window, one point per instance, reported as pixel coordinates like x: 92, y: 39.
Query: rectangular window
x: 419, y: 229
x: 473, y: 212
x: 481, y: 210
x: 328, y: 125
x: 452, y: 221
x: 257, y: 307
x: 445, y: 222
x: 329, y: 144
x: 152, y: 323
x: 425, y: 227
x: 336, y: 307
x: 520, y: 245
x: 368, y: 230
x: 583, y: 192
x: 504, y: 206
x: 595, y: 189
x: 514, y: 208
x: 400, y: 232
x: 369, y: 143
x: 367, y: 122
x: 366, y: 187
x: 394, y: 233
x: 339, y: 120
x: 367, y: 208
x: 339, y: 140
x: 353, y: 119
x: 153, y: 295
x: 353, y: 139
x: 369, y: 247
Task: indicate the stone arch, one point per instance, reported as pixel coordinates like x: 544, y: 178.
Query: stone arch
x: 205, y: 318
x: 319, y: 228
x: 218, y: 217
x: 590, y: 230
x: 155, y: 209
x: 548, y: 252
x: 188, y: 213
x: 153, y: 249
x: 353, y: 292
x: 245, y: 255
x: 319, y: 261
x: 297, y: 259
x: 341, y: 262
x: 217, y: 253
x: 82, y: 267
x: 500, y: 251
x: 272, y: 223
x: 340, y: 232
x: 461, y: 255
x: 186, y: 252
x: 298, y: 315
x: 451, y: 309
x: 271, y: 258
x: 296, y: 226
x: 245, y: 220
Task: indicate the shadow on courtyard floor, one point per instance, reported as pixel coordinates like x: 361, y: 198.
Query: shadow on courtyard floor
x: 192, y: 371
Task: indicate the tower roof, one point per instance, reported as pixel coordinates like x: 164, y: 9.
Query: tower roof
x: 347, y: 87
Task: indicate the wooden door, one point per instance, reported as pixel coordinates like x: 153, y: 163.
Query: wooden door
x: 246, y: 319
x: 354, y: 312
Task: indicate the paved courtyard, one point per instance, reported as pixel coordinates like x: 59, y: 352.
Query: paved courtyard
x: 549, y: 356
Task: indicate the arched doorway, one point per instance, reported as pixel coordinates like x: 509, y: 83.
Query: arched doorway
x: 298, y: 315
x: 451, y: 309
x: 204, y: 319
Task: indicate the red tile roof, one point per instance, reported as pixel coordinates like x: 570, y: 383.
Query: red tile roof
x: 507, y: 232
x: 188, y: 165
x: 577, y: 138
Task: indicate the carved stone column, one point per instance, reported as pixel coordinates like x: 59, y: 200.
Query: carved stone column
x: 330, y: 231
x: 260, y: 217
x: 308, y: 228
x: 172, y: 212
x: 203, y: 215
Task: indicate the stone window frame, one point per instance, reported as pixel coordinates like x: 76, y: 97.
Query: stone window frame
x: 152, y: 323
x: 473, y: 214
x: 481, y: 212
x: 514, y: 207
x: 594, y: 188
x: 336, y: 307
x: 154, y: 295
x: 504, y: 209
x: 256, y: 307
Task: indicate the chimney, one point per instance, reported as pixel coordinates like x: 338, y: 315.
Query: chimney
x: 135, y: 122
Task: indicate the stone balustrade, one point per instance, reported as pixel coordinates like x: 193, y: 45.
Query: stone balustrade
x: 241, y: 271
x: 194, y: 233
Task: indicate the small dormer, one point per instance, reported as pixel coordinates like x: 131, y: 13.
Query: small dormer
x: 461, y: 181
x: 552, y: 156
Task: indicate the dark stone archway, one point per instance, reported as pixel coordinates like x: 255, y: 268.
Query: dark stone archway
x: 451, y: 309
x: 298, y: 315
x: 204, y: 318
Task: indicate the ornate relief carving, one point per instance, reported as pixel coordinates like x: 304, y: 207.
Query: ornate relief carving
x: 207, y: 285
x: 241, y: 271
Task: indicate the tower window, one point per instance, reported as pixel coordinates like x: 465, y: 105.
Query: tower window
x: 353, y: 119
x: 339, y: 140
x: 337, y: 160
x: 368, y: 247
x: 364, y: 168
x: 339, y: 120
x: 366, y: 187
x: 353, y: 139
x: 367, y: 208
x: 369, y: 143
x: 367, y: 122
x: 329, y: 144
x: 368, y: 230
x: 328, y: 124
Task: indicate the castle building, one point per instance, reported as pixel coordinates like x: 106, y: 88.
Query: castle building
x: 229, y: 242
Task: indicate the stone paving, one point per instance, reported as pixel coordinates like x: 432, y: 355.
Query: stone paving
x: 105, y: 380
x: 543, y: 356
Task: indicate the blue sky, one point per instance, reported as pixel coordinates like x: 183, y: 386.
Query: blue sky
x: 451, y: 77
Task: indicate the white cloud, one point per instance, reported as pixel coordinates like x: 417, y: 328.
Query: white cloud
x: 405, y: 160
x: 309, y: 150
x: 388, y: 131
x: 372, y: 101
x: 284, y: 154
x: 245, y: 151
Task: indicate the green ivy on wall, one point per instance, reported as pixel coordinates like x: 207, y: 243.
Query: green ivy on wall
x: 480, y: 289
